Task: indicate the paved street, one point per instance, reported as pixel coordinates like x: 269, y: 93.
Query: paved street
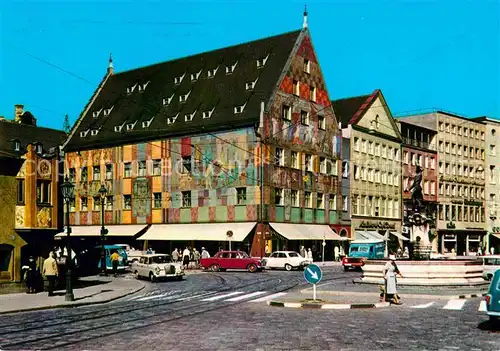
x: 228, y: 310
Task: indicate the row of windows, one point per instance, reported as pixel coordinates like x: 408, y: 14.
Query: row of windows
x: 461, y: 191
x: 416, y: 159
x: 376, y: 176
x: 363, y: 205
x: 376, y: 149
x: 304, y: 161
x: 465, y: 171
x: 16, y: 145
x: 461, y: 150
x: 43, y: 192
x: 305, y: 118
x: 429, y: 186
x: 459, y: 130
x: 461, y: 213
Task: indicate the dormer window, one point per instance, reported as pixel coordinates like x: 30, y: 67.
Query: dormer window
x: 94, y: 132
x: 39, y: 149
x: 96, y: 114
x: 84, y: 134
x: 108, y: 111
x: 119, y: 128
x: 189, y: 117
x: 183, y: 98
x: 262, y: 61
x: 230, y: 69
x: 146, y: 124
x: 131, y: 89
x: 208, y: 114
x: 131, y: 126
x: 239, y: 109
x: 307, y: 66
x: 17, y: 145
x: 178, y: 80
x: 143, y: 87
x: 167, y: 101
x: 171, y: 120
x: 211, y: 72
x: 251, y: 85
x: 195, y: 76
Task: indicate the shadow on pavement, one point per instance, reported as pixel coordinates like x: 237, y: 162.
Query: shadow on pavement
x: 489, y: 326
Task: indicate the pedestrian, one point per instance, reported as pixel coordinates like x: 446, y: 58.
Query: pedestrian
x: 267, y: 250
x: 175, y: 255
x: 204, y: 253
x: 51, y: 271
x: 179, y: 255
x: 336, y: 252
x: 31, y: 276
x: 310, y: 255
x: 390, y: 272
x: 115, y: 261
x: 302, y: 251
x: 185, y: 258
x: 196, y: 256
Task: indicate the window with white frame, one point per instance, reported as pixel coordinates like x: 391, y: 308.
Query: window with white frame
x: 345, y: 169
x: 186, y: 164
x: 251, y: 85
x: 212, y: 72
x: 127, y: 170
x: 355, y: 204
x: 307, y: 163
x: 167, y: 101
x: 312, y: 93
x: 364, y: 146
x: 184, y: 97
x: 109, y: 203
x: 178, y: 80
x: 84, y: 204
x: 357, y: 172
x: 127, y: 202
x: 322, y: 165
x: 370, y: 147
x: 426, y: 187
x: 239, y: 109
x: 186, y: 198
x: 96, y: 203
x: 304, y: 118
x: 278, y: 197
x: 345, y: 203
x: 296, y: 88
x: 356, y: 144
x: 286, y: 112
x: 321, y: 122
x: 377, y: 149
x: 142, y: 168
x: 433, y: 187
x: 207, y: 114
x: 189, y: 117
x: 156, y: 167
x: 307, y: 66
x: 172, y: 119
x: 320, y: 200
x: 241, y: 196
x: 96, y: 173
x: 279, y: 157
x: 294, y: 198
x: 262, y: 61
x: 109, y: 172
x: 157, y: 200
x: 84, y: 176
x: 294, y: 159
x: 230, y: 68
x: 195, y: 76
x: 307, y: 199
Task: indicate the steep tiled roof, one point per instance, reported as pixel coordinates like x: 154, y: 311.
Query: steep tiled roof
x: 11, y: 131
x: 144, y: 110
x: 346, y: 108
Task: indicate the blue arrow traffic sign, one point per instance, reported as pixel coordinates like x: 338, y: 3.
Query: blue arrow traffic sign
x: 313, y: 274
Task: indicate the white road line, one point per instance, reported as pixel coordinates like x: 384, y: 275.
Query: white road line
x: 218, y: 297
x: 152, y: 297
x: 269, y: 297
x: 424, y: 305
x: 482, y: 306
x: 454, y: 304
x: 247, y: 296
x: 136, y: 297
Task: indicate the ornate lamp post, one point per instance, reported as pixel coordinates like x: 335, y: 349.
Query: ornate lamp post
x: 104, y: 231
x: 67, y: 192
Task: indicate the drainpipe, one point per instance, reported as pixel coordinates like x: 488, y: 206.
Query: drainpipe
x: 259, y: 133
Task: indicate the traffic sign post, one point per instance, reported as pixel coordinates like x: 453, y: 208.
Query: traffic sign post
x: 313, y: 275
x: 229, y: 235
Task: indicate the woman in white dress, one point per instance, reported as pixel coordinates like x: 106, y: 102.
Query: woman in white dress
x: 390, y: 272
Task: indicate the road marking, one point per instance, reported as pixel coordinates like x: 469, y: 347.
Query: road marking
x: 136, y: 297
x: 268, y: 297
x: 247, y: 296
x: 153, y: 297
x: 482, y: 306
x: 424, y: 305
x: 218, y: 297
x: 454, y: 304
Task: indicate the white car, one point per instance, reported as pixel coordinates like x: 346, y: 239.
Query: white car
x: 285, y: 259
x: 157, y: 267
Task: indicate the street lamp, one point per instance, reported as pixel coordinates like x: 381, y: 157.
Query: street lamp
x: 67, y: 189
x: 104, y: 231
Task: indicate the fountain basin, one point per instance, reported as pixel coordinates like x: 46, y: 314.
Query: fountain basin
x: 452, y: 272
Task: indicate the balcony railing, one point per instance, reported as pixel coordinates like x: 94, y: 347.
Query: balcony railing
x: 418, y: 143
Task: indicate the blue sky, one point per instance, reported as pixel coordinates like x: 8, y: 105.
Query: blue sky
x: 422, y: 54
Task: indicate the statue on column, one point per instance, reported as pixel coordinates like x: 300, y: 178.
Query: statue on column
x: 416, y: 191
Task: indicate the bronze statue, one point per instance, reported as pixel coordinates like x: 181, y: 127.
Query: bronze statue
x: 416, y: 191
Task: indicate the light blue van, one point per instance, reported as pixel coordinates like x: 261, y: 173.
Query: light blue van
x: 493, y: 298
x: 370, y: 249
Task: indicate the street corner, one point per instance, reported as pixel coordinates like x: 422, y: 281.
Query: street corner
x: 326, y: 304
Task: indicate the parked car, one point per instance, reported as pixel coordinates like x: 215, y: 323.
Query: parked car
x: 353, y: 263
x: 224, y: 260
x: 285, y: 259
x: 493, y: 298
x: 157, y: 267
x: 490, y: 265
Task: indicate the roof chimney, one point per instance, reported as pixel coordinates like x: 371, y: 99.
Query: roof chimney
x: 111, y: 68
x: 19, y: 110
x: 304, y: 25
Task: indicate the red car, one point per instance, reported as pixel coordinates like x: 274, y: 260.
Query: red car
x: 231, y: 260
x: 353, y: 262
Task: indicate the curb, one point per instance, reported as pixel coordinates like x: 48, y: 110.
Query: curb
x: 327, y: 306
x: 72, y: 305
x: 402, y: 295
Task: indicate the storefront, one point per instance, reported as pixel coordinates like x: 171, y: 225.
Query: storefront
x: 460, y: 242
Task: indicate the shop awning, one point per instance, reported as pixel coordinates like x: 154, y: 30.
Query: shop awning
x: 199, y: 231
x: 399, y: 236
x: 293, y: 231
x: 95, y: 230
x: 496, y: 235
x: 369, y: 235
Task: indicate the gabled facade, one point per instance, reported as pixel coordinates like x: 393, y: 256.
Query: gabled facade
x: 375, y: 163
x: 181, y: 142
x: 29, y: 191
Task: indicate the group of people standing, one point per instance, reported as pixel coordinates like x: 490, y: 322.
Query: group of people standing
x: 34, y: 276
x: 189, y: 255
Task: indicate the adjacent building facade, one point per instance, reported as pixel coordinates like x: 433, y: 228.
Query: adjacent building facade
x: 374, y: 168
x: 461, y: 219
x: 29, y: 191
x: 240, y: 139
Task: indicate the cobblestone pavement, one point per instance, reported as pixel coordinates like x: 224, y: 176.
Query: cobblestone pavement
x: 157, y: 304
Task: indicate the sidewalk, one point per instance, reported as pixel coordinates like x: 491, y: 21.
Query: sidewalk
x: 98, y: 290
x: 371, y: 290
